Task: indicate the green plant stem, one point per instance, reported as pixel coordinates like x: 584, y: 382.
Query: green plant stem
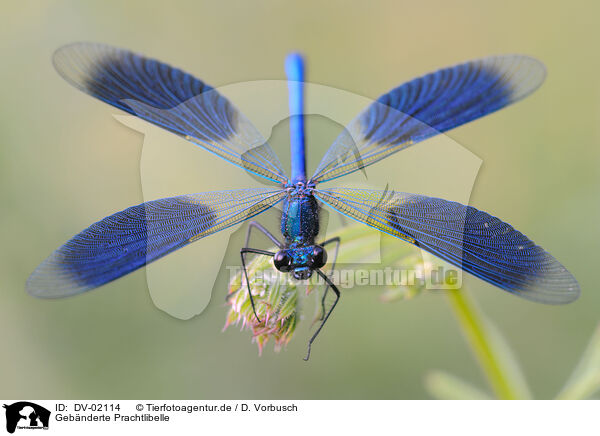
x: 474, y: 329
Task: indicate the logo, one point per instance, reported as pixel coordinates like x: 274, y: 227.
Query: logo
x: 26, y: 415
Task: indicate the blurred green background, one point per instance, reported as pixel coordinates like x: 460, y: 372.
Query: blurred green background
x: 65, y: 162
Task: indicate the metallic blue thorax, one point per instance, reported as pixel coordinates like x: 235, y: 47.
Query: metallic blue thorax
x: 300, y: 218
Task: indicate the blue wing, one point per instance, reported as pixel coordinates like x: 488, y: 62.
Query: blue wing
x: 429, y: 105
x: 171, y: 99
x: 463, y: 236
x: 128, y: 240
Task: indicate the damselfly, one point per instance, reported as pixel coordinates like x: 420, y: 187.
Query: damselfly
x: 465, y: 237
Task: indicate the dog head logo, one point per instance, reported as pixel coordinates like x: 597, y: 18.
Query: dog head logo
x: 26, y: 415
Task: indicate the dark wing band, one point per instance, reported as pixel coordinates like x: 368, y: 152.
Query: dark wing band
x: 429, y: 105
x: 468, y: 238
x: 169, y: 98
x: 128, y: 240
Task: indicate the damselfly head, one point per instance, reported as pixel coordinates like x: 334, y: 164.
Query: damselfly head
x: 301, y: 261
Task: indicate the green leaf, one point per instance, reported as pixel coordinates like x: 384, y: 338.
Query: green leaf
x: 444, y: 386
x: 508, y: 360
x: 490, y: 348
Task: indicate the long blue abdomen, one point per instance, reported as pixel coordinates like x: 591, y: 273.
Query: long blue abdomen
x: 294, y: 69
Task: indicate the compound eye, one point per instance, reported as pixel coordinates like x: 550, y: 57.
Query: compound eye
x: 282, y: 261
x: 318, y: 258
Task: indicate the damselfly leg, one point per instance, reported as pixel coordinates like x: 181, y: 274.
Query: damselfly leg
x: 264, y: 231
x: 337, y: 297
x: 243, y: 251
x: 336, y: 241
x: 246, y: 249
